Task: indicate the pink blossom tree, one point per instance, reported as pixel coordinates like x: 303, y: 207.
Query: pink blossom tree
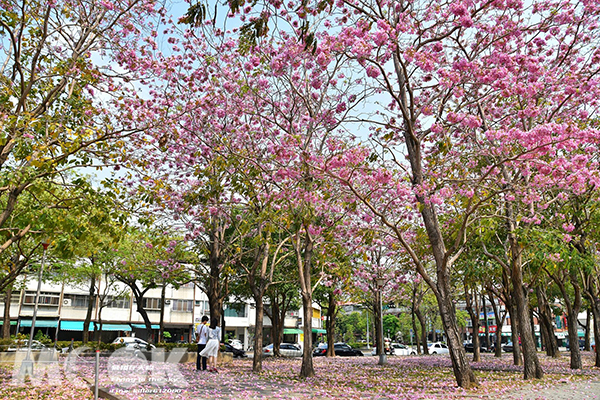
x: 274, y: 107
x: 480, y: 105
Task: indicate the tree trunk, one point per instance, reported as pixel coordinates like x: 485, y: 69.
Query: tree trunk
x: 330, y: 325
x: 162, y: 313
x: 6, y: 319
x: 499, y: 325
x: 591, y: 285
x: 462, y: 370
x: 90, y: 308
x: 215, y: 301
x: 595, y: 307
x: 573, y: 307
x: 588, y: 324
x: 486, y: 322
x: 473, y: 310
x: 276, y: 329
x: 422, y: 322
x: 572, y: 313
x: 98, y: 329
x: 545, y: 335
x: 277, y: 316
x: 443, y: 290
x: 515, y: 334
x: 531, y: 362
x: 307, y: 370
x: 377, y: 315
x: 139, y: 298
x: 215, y: 288
x: 573, y: 338
x: 532, y: 324
x: 592, y: 292
x: 545, y: 315
x: 304, y: 259
x: 416, y: 332
x: 258, y: 335
x: 463, y: 373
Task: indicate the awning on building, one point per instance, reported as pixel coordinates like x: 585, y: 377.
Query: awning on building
x: 317, y: 330
x: 39, y: 323
x: 74, y: 326
x: 115, y: 327
x: 143, y: 326
x: 12, y: 323
x: 292, y: 331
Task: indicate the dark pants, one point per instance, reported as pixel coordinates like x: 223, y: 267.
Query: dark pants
x: 200, y: 348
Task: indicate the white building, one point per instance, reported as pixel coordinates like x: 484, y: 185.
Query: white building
x: 62, y: 310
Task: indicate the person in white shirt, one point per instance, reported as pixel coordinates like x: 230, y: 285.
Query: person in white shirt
x: 212, y: 346
x: 201, y: 338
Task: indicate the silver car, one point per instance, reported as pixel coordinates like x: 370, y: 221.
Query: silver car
x: 22, y: 345
x: 285, y: 349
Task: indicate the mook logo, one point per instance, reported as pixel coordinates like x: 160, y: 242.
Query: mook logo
x: 122, y: 369
x: 126, y: 370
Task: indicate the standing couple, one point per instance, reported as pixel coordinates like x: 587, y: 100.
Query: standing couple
x: 208, y: 339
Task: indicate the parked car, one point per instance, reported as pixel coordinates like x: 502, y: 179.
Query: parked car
x: 397, y: 349
x: 340, y: 349
x: 23, y: 345
x: 437, y: 348
x: 239, y: 353
x: 469, y: 348
x: 133, y: 343
x: 581, y: 344
x: 285, y: 349
x: 236, y: 343
x: 508, y: 347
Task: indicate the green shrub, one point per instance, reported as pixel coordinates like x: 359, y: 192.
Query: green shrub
x: 66, y: 343
x: 171, y: 346
x: 4, y: 343
x: 93, y: 346
x: 42, y: 338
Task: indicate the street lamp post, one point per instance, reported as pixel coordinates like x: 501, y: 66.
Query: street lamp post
x: 27, y: 364
x: 381, y: 347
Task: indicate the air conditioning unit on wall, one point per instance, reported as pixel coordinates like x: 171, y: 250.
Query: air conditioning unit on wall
x: 67, y: 302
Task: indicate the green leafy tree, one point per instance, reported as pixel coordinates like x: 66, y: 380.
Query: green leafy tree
x: 51, y: 117
x: 144, y: 260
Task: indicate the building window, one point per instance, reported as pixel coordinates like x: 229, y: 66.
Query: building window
x: 46, y: 298
x: 15, y: 298
x: 117, y: 302
x: 236, y: 310
x: 182, y: 305
x: 152, y: 304
x: 76, y: 300
x: 203, y: 306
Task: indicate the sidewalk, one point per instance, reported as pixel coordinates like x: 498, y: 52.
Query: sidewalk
x: 561, y: 391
